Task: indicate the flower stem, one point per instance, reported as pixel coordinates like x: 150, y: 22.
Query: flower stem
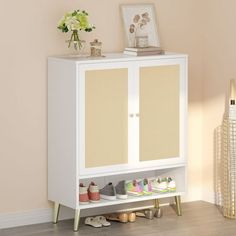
x: 71, y: 39
x: 76, y: 40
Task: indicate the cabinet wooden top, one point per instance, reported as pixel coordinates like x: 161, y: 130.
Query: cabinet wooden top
x: 115, y: 57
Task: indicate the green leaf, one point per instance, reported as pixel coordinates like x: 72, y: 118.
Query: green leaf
x: 74, y: 13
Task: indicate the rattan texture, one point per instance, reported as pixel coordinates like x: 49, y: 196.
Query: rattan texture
x: 228, y: 170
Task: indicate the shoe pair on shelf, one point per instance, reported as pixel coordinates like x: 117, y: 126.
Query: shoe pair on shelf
x: 139, y: 187
x: 163, y: 185
x: 89, y: 194
x: 109, y: 192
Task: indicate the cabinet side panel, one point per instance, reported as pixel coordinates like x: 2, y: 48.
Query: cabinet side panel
x: 159, y: 112
x: 106, y: 122
x: 62, y: 132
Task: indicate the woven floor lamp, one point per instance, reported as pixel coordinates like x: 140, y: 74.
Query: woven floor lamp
x: 228, y: 155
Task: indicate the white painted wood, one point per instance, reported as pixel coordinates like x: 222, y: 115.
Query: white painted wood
x: 116, y: 57
x: 62, y: 159
x: 130, y: 199
x: 132, y: 153
x: 183, y: 108
x: 130, y: 171
x: 133, y: 119
x: 66, y: 129
x: 80, y: 132
x: 81, y: 69
x: 134, y: 135
x: 184, y: 116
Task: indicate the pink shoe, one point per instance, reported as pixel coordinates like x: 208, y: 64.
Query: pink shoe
x: 83, y: 194
x: 93, y: 192
x: 134, y: 188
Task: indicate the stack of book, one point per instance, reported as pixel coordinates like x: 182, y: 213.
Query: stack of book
x: 144, y: 51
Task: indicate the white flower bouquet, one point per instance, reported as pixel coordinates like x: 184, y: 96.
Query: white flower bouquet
x: 75, y: 21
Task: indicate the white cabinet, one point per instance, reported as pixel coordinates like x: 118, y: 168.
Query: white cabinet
x: 115, y: 116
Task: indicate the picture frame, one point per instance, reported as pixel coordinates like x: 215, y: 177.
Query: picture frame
x: 140, y: 25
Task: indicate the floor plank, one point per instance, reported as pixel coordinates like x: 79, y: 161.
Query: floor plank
x: 199, y: 219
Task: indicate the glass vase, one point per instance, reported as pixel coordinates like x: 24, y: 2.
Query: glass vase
x: 76, y: 42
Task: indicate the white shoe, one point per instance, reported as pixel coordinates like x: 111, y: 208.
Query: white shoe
x: 102, y: 220
x: 91, y: 221
x: 171, y: 185
x: 159, y: 185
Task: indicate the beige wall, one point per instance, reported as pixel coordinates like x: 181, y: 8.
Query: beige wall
x: 29, y: 36
x: 219, y: 67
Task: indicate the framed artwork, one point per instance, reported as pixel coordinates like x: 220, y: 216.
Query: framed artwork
x: 140, y: 25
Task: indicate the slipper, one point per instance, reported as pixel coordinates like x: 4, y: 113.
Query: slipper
x: 121, y: 217
x: 131, y: 217
x: 91, y: 221
x: 102, y: 220
x: 149, y: 213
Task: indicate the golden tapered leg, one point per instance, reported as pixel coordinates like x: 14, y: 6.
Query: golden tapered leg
x: 158, y: 211
x: 76, y: 220
x: 178, y: 205
x: 156, y: 203
x: 56, y: 212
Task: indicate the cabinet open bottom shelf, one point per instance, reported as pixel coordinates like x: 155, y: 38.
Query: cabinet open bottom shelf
x: 130, y: 199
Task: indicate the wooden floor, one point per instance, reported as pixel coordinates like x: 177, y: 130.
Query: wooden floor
x: 199, y: 218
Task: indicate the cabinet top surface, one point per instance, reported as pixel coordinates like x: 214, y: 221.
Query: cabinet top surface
x: 115, y: 57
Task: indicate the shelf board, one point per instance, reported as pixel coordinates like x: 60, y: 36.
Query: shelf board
x: 130, y: 199
x: 133, y: 170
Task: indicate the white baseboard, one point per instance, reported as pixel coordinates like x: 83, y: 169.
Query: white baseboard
x: 8, y: 220
x: 37, y: 216
x: 209, y: 198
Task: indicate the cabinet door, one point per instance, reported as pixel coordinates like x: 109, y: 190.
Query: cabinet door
x: 159, y: 106
x: 106, y: 112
